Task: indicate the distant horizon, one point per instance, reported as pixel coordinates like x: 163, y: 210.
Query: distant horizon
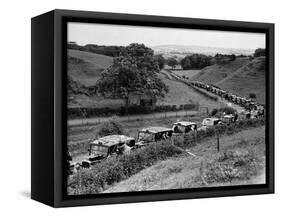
x: 123, y: 35
x: 184, y: 45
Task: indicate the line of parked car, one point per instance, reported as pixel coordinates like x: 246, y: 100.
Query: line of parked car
x: 249, y: 105
x: 107, y: 146
x: 253, y: 108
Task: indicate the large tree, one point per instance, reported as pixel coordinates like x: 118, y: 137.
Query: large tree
x: 260, y: 52
x: 172, y: 62
x: 134, y: 72
x: 160, y: 60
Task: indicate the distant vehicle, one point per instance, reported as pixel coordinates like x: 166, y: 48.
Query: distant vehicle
x: 105, y: 146
x: 153, y: 134
x: 230, y: 118
x: 210, y: 122
x: 181, y: 127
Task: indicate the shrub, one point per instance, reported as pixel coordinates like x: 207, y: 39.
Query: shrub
x: 252, y: 96
x: 260, y: 52
x: 214, y: 112
x: 228, y: 110
x: 110, y: 127
x: 232, y: 165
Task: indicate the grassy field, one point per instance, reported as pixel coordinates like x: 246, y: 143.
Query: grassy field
x: 248, y: 79
x: 85, y: 67
x: 180, y: 93
x: 214, y: 73
x: 240, y: 161
x: 187, y: 73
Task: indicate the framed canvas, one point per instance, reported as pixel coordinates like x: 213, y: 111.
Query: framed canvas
x: 134, y: 108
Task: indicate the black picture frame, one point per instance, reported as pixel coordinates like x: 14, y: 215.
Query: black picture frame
x: 49, y: 125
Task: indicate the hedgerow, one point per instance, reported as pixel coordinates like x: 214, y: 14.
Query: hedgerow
x: 117, y: 168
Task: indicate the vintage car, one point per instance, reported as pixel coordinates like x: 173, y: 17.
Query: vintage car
x: 229, y: 118
x: 153, y: 134
x: 182, y: 127
x: 210, y: 122
x: 105, y: 146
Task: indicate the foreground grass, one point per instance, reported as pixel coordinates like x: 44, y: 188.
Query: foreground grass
x: 240, y: 161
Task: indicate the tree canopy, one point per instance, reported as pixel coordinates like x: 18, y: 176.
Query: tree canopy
x: 196, y: 61
x: 172, y: 62
x: 160, y: 60
x: 134, y: 72
x: 260, y: 52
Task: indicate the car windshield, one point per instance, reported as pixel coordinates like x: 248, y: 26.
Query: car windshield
x: 148, y: 137
x: 216, y: 122
x: 99, y: 149
x: 179, y: 129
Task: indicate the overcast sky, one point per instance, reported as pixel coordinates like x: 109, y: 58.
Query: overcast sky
x: 107, y: 34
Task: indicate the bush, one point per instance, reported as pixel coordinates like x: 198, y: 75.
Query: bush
x: 225, y: 110
x: 252, y: 96
x: 110, y: 127
x: 260, y: 52
x: 117, y: 168
x: 214, y: 112
x: 232, y: 165
x: 228, y: 110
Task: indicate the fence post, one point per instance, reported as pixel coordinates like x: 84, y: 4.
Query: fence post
x: 218, y: 141
x: 156, y: 152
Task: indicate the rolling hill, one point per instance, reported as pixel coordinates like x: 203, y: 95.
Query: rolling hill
x: 85, y: 67
x: 186, y: 49
x: 241, y: 76
x: 214, y: 73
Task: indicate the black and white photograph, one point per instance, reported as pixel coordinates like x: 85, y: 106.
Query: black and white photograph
x: 158, y: 108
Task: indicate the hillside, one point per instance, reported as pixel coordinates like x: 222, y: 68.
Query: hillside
x: 85, y: 67
x: 214, y: 73
x: 180, y: 93
x: 229, y: 167
x: 241, y: 76
x: 248, y: 79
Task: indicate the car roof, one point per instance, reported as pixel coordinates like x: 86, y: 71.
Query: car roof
x: 155, y: 129
x: 212, y: 119
x: 228, y: 116
x: 111, y: 140
x: 185, y: 123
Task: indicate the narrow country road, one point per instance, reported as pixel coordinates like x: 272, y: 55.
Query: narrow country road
x: 97, y: 120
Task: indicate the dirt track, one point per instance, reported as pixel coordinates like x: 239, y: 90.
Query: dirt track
x: 97, y: 120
